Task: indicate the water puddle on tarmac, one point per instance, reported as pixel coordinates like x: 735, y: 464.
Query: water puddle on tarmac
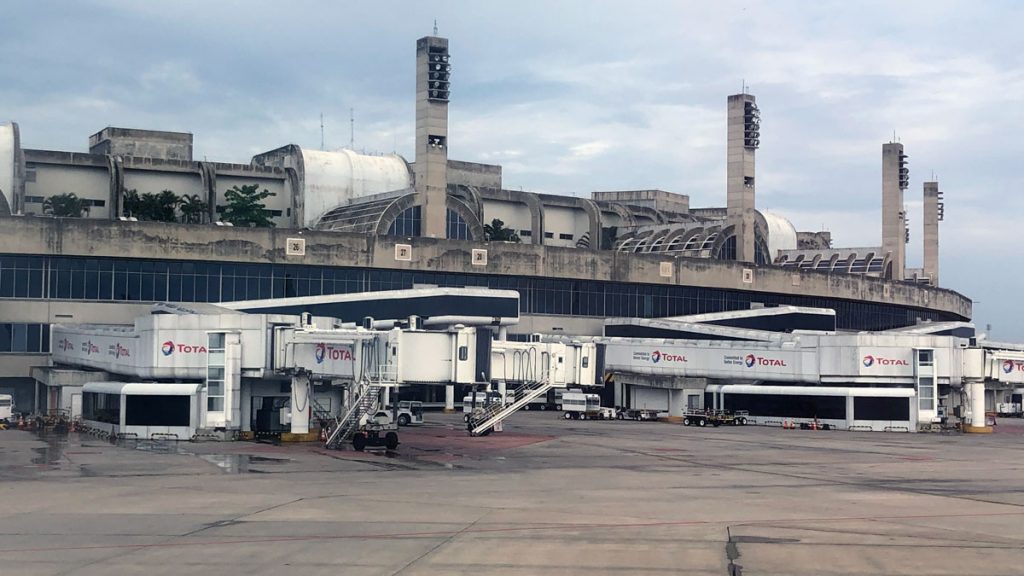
x: 51, y: 455
x: 240, y: 463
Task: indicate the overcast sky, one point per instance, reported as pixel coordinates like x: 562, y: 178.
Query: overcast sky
x: 576, y: 96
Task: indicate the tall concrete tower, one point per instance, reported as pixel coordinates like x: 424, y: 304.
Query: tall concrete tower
x: 895, y: 178
x: 933, y: 214
x: 744, y: 133
x: 433, y: 70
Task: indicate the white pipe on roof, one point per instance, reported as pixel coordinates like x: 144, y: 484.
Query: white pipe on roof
x: 142, y: 388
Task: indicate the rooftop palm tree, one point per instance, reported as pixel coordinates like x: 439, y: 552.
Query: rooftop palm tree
x: 193, y: 209
x: 67, y: 205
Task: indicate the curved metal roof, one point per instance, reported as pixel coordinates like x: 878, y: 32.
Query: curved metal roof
x: 336, y: 178
x: 781, y: 233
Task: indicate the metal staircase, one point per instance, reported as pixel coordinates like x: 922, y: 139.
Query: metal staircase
x: 347, y: 423
x: 321, y: 415
x: 483, y: 420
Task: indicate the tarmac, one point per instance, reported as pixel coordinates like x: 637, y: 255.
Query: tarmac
x: 546, y: 496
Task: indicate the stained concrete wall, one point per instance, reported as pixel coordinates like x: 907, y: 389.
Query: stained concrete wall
x: 85, y: 181
x: 174, y: 241
x: 474, y: 174
x: 142, y: 143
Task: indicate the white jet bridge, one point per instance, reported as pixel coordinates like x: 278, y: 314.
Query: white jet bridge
x: 869, y: 381
x: 232, y: 355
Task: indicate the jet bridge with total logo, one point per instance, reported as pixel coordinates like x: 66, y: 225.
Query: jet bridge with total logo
x: 237, y: 356
x: 310, y: 368
x: 879, y: 381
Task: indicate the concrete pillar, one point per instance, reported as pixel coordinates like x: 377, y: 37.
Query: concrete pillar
x: 449, y: 398
x: 503, y: 333
x: 676, y: 402
x: 895, y: 178
x: 502, y: 389
x: 743, y: 134
x: 431, y: 167
x: 233, y: 380
x: 976, y: 395
x: 933, y: 213
x: 386, y: 397
x: 300, y: 404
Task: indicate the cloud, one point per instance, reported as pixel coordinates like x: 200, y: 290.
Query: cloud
x: 575, y: 96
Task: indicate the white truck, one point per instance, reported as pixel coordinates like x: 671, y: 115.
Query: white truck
x: 6, y: 408
x: 409, y: 412
x: 479, y: 399
x: 582, y: 406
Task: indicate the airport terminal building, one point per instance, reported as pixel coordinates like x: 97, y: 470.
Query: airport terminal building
x: 346, y: 223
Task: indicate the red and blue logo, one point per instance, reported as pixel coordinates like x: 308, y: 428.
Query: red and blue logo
x: 658, y: 356
x: 870, y: 361
x: 320, y: 353
x: 751, y: 360
x: 168, y: 348
x: 1008, y: 366
x: 65, y: 344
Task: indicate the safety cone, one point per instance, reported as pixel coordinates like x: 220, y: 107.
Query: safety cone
x: 21, y: 421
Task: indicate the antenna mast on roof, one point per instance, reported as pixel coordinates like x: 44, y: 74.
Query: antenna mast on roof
x: 435, y: 26
x: 321, y: 131
x: 352, y: 128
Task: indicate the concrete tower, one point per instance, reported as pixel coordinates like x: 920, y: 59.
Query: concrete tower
x: 895, y: 178
x: 431, y: 169
x: 744, y: 126
x: 933, y: 214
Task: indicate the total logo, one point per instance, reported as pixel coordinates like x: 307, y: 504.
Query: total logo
x: 64, y: 345
x: 870, y: 361
x: 90, y: 348
x: 751, y: 360
x: 327, y: 352
x: 658, y: 356
x: 118, y: 351
x: 169, y: 347
x: 1011, y: 365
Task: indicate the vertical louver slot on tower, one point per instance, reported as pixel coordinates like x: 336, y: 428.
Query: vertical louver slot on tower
x: 904, y: 172
x: 751, y: 126
x: 439, y: 71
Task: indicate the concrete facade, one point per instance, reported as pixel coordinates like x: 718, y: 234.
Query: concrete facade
x: 101, y: 181
x: 933, y: 212
x: 743, y: 134
x: 659, y: 200
x: 474, y: 174
x: 432, y: 133
x: 76, y: 237
x: 142, y: 143
x: 895, y: 177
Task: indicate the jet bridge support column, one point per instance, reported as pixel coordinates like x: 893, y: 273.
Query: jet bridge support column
x: 449, y: 398
x: 676, y: 404
x: 976, y: 393
x: 300, y: 404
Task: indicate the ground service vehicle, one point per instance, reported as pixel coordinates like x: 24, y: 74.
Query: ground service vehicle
x: 410, y: 412
x: 6, y: 407
x: 478, y: 399
x: 715, y: 418
x: 375, y: 436
x: 582, y: 406
x: 638, y: 414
